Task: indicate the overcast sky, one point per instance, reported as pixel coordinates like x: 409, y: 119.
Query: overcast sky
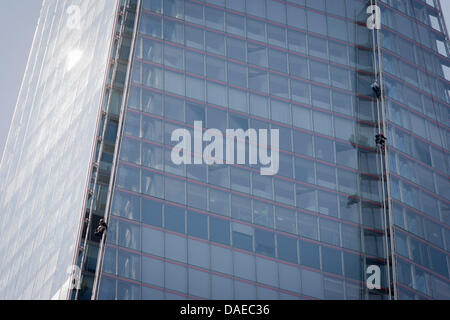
x: 18, y: 19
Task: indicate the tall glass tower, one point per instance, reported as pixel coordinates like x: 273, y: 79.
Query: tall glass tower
x: 93, y: 206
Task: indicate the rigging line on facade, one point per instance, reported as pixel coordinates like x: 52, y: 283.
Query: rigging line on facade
x: 387, y: 169
x: 105, y: 118
x: 380, y: 147
x: 101, y: 251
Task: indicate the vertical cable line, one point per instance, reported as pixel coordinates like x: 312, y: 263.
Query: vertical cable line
x: 101, y: 251
x: 104, y: 120
x: 384, y: 169
x: 386, y: 175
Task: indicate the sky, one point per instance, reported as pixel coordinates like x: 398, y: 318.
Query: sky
x: 18, y: 21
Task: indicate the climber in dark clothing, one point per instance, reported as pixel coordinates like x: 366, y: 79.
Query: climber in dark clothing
x: 380, y: 140
x: 102, y: 226
x: 376, y: 89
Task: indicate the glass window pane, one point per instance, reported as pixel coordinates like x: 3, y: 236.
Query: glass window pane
x: 242, y: 237
x: 195, y: 88
x: 219, y: 230
x: 276, y: 35
x: 241, y: 208
x: 128, y: 178
x: 256, y: 30
x: 214, y: 18
x: 173, y: 31
x: 215, y: 43
x: 175, y: 190
x: 129, y: 235
x: 255, y: 8
x: 152, y: 50
x: 263, y: 213
x: 304, y: 170
x: 331, y: 260
x: 237, y: 74
x: 126, y: 205
x: 309, y: 254
x: 262, y: 186
x: 319, y: 71
x: 194, y: 38
x: 317, y: 47
x: 277, y: 60
x: 152, y: 76
x: 174, y: 219
x: 308, y: 226
x: 257, y: 54
x: 287, y: 248
x: 131, y: 151
x: 236, y: 49
x: 195, y: 63
x: 259, y: 105
x: 317, y: 23
x: 276, y: 11
x: 337, y: 28
x: 151, y: 183
x: 174, y: 57
x: 152, y: 212
x: 279, y: 86
x: 151, y: 102
x: 215, y: 68
x: 303, y: 143
x: 197, y: 196
x: 174, y: 8
x: 324, y: 149
x: 300, y: 91
x: 194, y: 12
x: 216, y: 94
x: 329, y: 232
x: 152, y: 129
x: 265, y: 242
x: 174, y: 82
x: 197, y: 225
x: 286, y: 220
x: 296, y: 17
x: 297, y: 41
x: 257, y: 80
x: 235, y: 24
x: 151, y: 25
x: 153, y: 5
x: 129, y: 265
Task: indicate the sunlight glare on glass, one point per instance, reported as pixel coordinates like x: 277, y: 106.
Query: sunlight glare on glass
x: 73, y: 58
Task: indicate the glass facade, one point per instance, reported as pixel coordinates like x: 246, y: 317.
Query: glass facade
x: 417, y: 81
x: 46, y: 161
x: 304, y: 67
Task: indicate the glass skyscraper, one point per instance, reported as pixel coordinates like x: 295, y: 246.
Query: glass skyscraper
x: 362, y: 111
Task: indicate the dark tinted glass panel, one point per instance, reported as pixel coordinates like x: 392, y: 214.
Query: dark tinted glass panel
x: 174, y: 219
x: 219, y: 230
